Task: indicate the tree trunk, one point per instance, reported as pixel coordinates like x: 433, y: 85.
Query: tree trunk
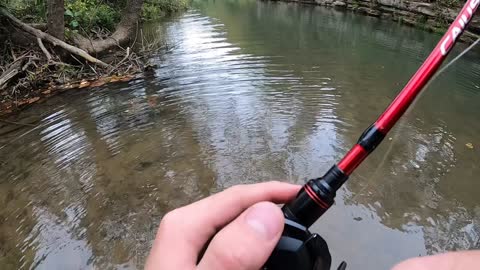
x: 123, y: 32
x: 55, y: 18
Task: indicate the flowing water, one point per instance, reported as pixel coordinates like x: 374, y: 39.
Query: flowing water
x: 246, y: 92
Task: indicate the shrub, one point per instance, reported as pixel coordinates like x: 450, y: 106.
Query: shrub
x: 27, y: 10
x: 154, y: 9
x: 90, y: 14
x: 450, y: 3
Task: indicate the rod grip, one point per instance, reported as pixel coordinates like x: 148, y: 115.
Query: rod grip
x: 304, y: 209
x: 315, y: 197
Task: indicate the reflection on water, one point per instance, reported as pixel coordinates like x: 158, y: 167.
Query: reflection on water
x: 247, y: 92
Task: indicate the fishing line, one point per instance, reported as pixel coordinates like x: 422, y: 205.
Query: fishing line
x: 403, y: 121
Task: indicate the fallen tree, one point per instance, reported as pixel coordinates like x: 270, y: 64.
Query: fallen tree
x: 51, y: 39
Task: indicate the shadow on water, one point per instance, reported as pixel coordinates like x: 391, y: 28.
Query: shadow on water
x: 247, y: 91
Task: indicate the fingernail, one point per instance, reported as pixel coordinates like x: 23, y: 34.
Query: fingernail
x: 265, y: 220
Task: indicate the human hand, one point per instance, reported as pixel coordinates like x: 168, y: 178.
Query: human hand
x: 243, y: 220
x: 464, y: 260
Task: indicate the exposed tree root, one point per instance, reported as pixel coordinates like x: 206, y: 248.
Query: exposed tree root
x: 121, y: 35
x: 44, y: 50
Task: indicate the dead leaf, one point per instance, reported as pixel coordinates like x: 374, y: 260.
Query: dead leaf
x: 20, y: 103
x: 32, y: 100
x: 126, y: 78
x: 469, y: 145
x: 84, y: 84
x: 68, y: 86
x: 97, y: 83
x: 46, y: 92
x: 152, y: 101
x: 115, y: 78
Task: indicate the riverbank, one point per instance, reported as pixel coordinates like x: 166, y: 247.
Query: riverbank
x: 50, y: 47
x: 31, y: 77
x: 434, y: 17
x: 9, y: 104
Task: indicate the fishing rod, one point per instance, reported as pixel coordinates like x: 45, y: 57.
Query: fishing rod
x: 300, y: 249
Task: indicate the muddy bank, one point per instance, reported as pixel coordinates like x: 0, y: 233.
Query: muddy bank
x: 431, y: 16
x: 9, y: 105
x: 36, y: 64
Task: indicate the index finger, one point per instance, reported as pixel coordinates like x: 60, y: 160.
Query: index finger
x: 213, y: 213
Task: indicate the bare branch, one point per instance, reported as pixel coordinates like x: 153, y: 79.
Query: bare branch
x: 44, y: 50
x: 121, y: 61
x: 13, y: 55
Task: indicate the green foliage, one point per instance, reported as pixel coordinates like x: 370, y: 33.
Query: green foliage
x: 90, y: 14
x: 154, y: 9
x: 27, y: 10
x: 450, y: 3
x: 150, y: 12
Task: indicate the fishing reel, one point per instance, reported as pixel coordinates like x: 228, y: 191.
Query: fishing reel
x: 300, y: 249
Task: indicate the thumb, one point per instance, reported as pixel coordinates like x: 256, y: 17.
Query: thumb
x: 247, y: 242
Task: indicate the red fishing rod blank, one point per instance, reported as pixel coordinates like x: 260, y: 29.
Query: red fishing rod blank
x: 318, y: 194
x: 405, y: 98
x: 298, y: 248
